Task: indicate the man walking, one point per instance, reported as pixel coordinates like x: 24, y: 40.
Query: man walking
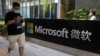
x: 13, y: 20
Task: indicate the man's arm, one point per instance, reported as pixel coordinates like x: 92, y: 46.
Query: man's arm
x: 19, y: 18
x: 9, y: 19
x: 11, y: 22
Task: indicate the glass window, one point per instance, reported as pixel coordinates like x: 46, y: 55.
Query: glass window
x: 82, y: 9
x: 42, y: 9
x: 54, y: 11
x: 41, y: 12
x: 87, y: 4
x: 36, y: 11
x: 0, y: 9
x: 46, y: 8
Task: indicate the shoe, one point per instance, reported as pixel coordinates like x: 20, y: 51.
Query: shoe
x: 8, y: 54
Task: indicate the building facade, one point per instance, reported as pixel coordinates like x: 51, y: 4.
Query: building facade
x: 48, y: 9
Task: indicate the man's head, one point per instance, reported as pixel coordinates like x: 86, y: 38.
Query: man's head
x: 92, y: 13
x: 16, y: 7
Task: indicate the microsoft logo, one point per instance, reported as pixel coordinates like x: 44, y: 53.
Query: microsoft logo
x: 30, y: 28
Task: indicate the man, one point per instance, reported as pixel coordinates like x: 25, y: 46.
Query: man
x: 13, y: 20
x: 92, y: 15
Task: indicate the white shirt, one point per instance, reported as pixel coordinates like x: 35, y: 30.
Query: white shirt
x: 93, y: 18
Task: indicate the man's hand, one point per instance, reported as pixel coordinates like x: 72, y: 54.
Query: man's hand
x: 19, y: 18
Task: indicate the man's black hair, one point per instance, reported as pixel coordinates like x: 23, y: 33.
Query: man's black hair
x: 16, y: 4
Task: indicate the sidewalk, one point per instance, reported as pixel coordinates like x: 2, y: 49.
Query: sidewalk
x: 32, y: 49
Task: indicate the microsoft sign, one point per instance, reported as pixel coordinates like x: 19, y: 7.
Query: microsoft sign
x: 77, y: 34
x: 52, y: 32
x: 63, y: 33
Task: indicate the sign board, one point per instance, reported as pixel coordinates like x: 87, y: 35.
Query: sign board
x: 84, y: 35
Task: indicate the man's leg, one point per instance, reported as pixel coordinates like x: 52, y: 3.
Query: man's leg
x: 2, y: 52
x: 21, y: 43
x: 9, y: 50
x: 12, y: 43
x: 21, y: 51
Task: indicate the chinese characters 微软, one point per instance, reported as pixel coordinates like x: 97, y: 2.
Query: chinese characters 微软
x: 83, y: 35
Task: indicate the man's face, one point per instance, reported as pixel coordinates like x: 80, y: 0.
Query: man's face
x: 16, y: 8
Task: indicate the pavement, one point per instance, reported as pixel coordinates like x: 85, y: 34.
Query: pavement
x: 31, y: 49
